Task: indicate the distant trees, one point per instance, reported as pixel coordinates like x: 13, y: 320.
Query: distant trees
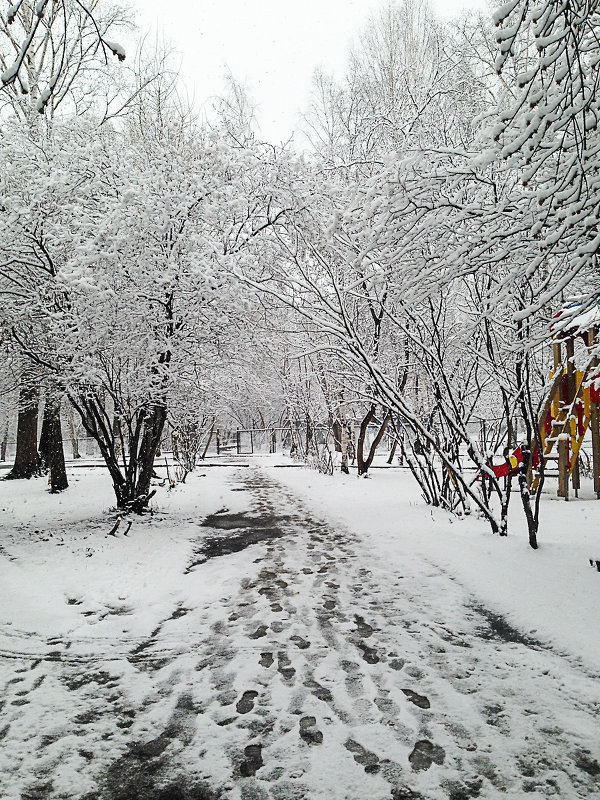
x: 454, y: 207
x: 50, y: 56
x: 410, y: 84
x: 405, y: 272
x: 136, y: 228
x: 29, y: 263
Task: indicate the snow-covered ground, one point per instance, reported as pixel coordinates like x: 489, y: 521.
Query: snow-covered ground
x: 276, y: 633
x: 552, y: 594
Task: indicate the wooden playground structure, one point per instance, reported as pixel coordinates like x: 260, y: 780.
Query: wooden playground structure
x: 572, y: 406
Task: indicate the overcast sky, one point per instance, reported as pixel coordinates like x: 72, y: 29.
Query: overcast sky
x: 273, y: 46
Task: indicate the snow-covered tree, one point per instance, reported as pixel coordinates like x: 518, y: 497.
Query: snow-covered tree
x: 46, y: 47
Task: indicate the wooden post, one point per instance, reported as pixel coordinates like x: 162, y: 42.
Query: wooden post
x: 561, y: 445
x: 594, y: 421
x: 571, y: 390
x: 575, y: 480
x: 563, y: 468
x: 557, y: 355
x: 595, y: 426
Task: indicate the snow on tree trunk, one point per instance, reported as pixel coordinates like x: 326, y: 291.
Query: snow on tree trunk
x: 345, y: 441
x: 72, y: 434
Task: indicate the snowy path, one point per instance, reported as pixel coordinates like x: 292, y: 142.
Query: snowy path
x: 323, y: 673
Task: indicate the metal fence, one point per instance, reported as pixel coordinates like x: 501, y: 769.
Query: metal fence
x: 252, y: 441
x: 80, y: 448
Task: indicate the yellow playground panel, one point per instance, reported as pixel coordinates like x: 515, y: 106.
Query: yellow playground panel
x: 570, y: 410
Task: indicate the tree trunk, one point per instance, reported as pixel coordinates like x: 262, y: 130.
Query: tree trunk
x: 4, y: 443
x: 392, y: 451
x: 150, y: 443
x: 505, y: 501
x: 365, y: 462
x: 344, y: 442
x: 97, y: 428
x: 363, y: 466
x: 27, y: 462
x: 131, y: 478
x: 532, y: 521
x: 55, y: 456
x: 336, y: 429
x: 208, y: 441
x: 72, y: 436
x: 45, y: 434
x: 116, y: 432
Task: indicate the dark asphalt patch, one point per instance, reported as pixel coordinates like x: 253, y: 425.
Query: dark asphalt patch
x: 497, y: 627
x: 239, y: 532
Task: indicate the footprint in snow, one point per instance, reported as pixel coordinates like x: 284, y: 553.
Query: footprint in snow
x: 320, y: 692
x: 309, y: 731
x: 368, y: 760
x: 252, y: 762
x: 424, y: 754
x: 179, y: 612
x: 369, y: 654
x: 284, y: 665
x: 418, y: 699
x: 363, y: 628
x: 266, y: 660
x: 301, y: 643
x: 246, y: 703
x: 259, y: 632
